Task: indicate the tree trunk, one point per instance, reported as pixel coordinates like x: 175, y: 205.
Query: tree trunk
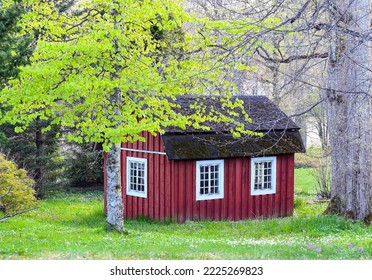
x: 39, y: 172
x: 115, y: 207
x: 349, y: 110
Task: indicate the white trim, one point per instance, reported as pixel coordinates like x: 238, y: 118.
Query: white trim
x: 130, y: 192
x: 143, y: 151
x: 220, y: 178
x: 272, y: 190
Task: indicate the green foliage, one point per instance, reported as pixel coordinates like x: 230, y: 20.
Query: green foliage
x: 16, y: 192
x: 34, y: 151
x: 135, y: 48
x: 15, y: 48
x: 298, y: 202
x: 3, y: 139
x: 83, y: 166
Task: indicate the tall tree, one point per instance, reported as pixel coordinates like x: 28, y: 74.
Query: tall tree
x: 349, y: 108
x: 105, y: 72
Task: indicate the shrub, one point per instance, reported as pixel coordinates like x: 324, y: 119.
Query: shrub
x: 16, y: 193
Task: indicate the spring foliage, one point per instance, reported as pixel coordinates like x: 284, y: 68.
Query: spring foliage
x: 86, y: 54
x: 16, y: 192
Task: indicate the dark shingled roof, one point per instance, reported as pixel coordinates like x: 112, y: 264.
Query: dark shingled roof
x: 264, y: 113
x: 280, y: 133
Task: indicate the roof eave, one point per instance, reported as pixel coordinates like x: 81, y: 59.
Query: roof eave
x: 217, y: 145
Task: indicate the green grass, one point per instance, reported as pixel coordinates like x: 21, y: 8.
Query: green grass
x: 72, y: 226
x: 304, y: 182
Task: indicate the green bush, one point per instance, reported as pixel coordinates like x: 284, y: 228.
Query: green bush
x: 16, y: 192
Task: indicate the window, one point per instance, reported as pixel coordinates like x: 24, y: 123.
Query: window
x: 263, y: 174
x: 209, y: 179
x: 137, y: 177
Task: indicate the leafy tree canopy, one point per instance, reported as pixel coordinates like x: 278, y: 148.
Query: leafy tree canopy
x: 88, y: 52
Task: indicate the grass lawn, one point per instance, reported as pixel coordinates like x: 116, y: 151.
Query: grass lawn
x: 304, y: 182
x: 73, y: 227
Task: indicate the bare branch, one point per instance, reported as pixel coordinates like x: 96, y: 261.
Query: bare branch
x: 308, y: 109
x: 16, y: 214
x: 290, y: 58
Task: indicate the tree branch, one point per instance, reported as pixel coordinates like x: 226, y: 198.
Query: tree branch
x: 8, y: 192
x: 290, y: 58
x: 323, y: 26
x: 308, y: 109
x: 16, y: 214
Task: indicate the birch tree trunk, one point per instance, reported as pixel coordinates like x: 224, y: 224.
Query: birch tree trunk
x: 349, y: 109
x: 115, y: 205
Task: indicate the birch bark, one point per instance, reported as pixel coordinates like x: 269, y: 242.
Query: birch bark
x: 115, y: 205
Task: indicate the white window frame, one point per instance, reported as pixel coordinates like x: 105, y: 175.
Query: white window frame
x: 272, y: 190
x: 220, y: 178
x: 131, y: 192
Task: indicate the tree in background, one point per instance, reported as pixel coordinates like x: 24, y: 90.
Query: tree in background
x: 82, y: 165
x: 349, y: 108
x: 34, y: 150
x: 15, y: 48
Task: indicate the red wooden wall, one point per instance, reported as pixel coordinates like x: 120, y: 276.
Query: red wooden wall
x: 172, y: 187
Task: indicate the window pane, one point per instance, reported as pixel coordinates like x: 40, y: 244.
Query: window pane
x: 263, y: 175
x: 208, y: 183
x: 137, y: 175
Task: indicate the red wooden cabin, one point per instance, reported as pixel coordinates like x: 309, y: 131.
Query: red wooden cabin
x: 191, y: 175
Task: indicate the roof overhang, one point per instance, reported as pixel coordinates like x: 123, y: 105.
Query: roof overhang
x: 220, y: 145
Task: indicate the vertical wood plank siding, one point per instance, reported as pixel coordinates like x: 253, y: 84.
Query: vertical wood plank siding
x: 172, y: 189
